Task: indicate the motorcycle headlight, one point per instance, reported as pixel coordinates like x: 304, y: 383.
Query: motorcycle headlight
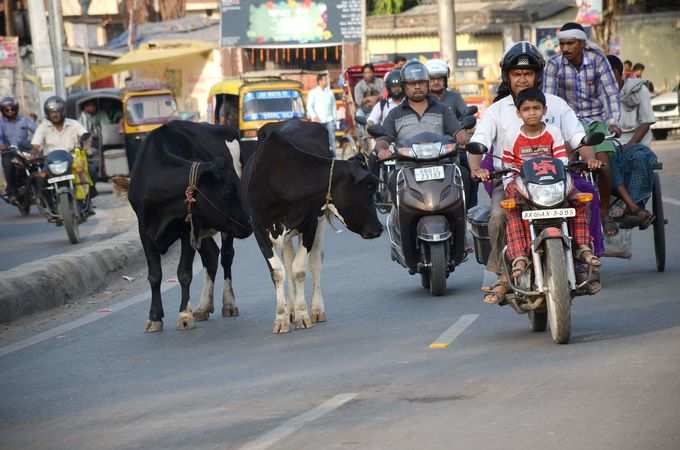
x: 58, y: 168
x: 426, y: 151
x: 546, y: 194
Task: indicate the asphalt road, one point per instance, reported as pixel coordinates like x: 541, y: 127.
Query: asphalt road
x: 26, y: 239
x: 366, y: 379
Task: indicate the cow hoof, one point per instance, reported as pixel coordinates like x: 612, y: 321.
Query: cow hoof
x: 318, y: 316
x: 185, y: 321
x: 200, y: 316
x: 302, y: 320
x: 281, y: 326
x: 152, y: 326
x: 230, y: 311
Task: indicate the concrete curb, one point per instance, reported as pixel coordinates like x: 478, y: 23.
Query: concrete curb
x: 53, y: 281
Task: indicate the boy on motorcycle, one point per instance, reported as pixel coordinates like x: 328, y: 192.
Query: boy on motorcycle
x: 533, y: 139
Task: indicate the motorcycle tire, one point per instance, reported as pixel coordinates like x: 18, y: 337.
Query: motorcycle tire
x: 69, y: 217
x: 558, y: 296
x: 24, y: 205
x: 437, y: 270
x: 659, y: 226
x: 538, y: 321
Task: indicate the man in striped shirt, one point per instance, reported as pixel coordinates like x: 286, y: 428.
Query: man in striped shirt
x: 582, y: 76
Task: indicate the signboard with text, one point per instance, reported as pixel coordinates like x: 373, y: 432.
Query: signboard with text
x: 9, y: 48
x: 289, y: 22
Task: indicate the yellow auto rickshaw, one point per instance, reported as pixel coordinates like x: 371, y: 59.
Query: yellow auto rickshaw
x: 248, y: 104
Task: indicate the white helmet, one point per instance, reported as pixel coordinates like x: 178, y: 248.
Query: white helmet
x: 438, y: 68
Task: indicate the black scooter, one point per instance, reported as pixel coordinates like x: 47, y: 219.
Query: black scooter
x: 24, y: 167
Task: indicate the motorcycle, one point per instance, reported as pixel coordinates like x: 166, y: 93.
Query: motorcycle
x: 24, y: 167
x: 546, y: 289
x: 66, y: 198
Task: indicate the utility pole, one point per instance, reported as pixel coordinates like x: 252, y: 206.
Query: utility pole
x: 447, y: 32
x: 42, y: 56
x: 57, y: 39
x: 364, y: 43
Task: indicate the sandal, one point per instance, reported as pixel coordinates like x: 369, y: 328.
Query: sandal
x: 519, y: 266
x: 585, y: 255
x: 646, y: 217
x: 610, y: 227
x: 496, y: 293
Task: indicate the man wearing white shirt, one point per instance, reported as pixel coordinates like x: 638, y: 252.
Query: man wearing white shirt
x: 395, y: 94
x: 321, y: 108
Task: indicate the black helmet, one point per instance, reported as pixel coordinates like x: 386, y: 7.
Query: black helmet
x: 393, y: 78
x: 9, y: 102
x: 414, y: 71
x: 54, y: 103
x: 523, y: 55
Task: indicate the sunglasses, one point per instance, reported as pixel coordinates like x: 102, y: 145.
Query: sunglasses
x: 9, y: 109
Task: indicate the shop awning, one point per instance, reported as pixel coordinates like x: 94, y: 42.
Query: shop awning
x: 146, y: 54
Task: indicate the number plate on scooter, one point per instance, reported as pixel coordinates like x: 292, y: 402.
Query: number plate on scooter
x: 429, y: 173
x: 62, y: 178
x: 548, y: 213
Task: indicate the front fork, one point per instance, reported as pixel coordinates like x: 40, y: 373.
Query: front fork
x: 536, y: 258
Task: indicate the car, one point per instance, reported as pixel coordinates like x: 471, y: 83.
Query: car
x: 665, y: 107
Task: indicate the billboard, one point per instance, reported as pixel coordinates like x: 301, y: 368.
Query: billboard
x: 9, y: 49
x: 286, y: 23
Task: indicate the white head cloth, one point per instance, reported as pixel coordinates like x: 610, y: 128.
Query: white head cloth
x: 572, y: 34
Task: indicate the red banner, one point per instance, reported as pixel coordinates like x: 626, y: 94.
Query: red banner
x: 9, y: 48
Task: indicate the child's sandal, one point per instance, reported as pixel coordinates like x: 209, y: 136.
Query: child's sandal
x: 519, y: 266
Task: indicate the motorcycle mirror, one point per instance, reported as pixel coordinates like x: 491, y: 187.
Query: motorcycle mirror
x: 376, y: 131
x: 361, y: 120
x: 593, y: 139
x: 471, y: 110
x: 469, y: 122
x: 476, y: 148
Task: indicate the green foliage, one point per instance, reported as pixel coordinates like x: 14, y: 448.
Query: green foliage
x: 381, y: 7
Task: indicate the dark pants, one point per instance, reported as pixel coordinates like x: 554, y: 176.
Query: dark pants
x: 10, y: 173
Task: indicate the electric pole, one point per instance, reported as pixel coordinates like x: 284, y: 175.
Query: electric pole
x: 57, y: 41
x: 364, y: 43
x: 42, y: 56
x: 447, y: 32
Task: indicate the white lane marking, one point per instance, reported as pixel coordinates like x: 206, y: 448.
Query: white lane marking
x: 89, y: 318
x: 291, y: 426
x: 671, y: 201
x: 454, y: 331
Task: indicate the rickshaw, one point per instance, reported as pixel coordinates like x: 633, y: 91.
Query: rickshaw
x: 125, y: 116
x: 248, y: 104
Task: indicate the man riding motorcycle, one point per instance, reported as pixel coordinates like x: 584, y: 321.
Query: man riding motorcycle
x: 395, y: 95
x: 439, y: 87
x: 58, y: 132
x: 15, y: 130
x: 521, y: 68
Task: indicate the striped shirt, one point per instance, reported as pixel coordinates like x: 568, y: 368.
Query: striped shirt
x: 518, y: 148
x: 591, y: 90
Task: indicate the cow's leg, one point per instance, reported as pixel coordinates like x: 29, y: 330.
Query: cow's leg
x: 315, y: 264
x: 185, y: 320
x: 153, y: 261
x: 278, y: 271
x: 300, y: 312
x: 229, y: 308
x: 209, y: 254
x: 288, y: 255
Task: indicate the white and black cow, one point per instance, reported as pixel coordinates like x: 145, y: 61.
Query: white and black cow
x: 290, y: 183
x: 185, y: 185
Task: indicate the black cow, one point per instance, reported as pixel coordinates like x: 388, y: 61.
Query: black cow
x: 185, y: 185
x: 290, y: 184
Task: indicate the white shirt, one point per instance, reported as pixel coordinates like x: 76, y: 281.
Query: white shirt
x: 321, y: 105
x: 636, y: 109
x: 49, y: 138
x: 501, y: 120
x: 377, y: 116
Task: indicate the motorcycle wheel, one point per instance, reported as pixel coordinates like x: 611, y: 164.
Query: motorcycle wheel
x: 69, y: 218
x: 437, y: 271
x: 558, y: 297
x: 538, y: 321
x: 24, y: 205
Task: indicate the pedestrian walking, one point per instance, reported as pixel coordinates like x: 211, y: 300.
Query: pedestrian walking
x: 321, y: 107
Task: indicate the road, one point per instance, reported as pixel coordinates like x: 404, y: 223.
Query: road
x: 366, y: 379
x: 26, y: 239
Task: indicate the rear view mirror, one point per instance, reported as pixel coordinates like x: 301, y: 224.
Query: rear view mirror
x: 471, y: 110
x: 469, y: 122
x: 361, y: 120
x: 376, y: 131
x: 476, y: 148
x: 594, y: 138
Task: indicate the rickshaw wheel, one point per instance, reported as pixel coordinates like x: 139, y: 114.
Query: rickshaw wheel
x: 659, y: 225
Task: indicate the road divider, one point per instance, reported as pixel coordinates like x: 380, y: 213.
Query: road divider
x: 268, y: 440
x: 455, y: 330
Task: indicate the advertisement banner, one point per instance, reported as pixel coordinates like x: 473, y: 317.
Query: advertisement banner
x: 289, y: 22
x: 9, y: 48
x: 589, y: 12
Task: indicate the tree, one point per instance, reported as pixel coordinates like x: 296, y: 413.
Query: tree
x: 382, y: 7
x: 172, y: 9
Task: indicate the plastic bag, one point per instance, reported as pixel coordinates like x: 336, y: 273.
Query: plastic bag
x: 620, y: 245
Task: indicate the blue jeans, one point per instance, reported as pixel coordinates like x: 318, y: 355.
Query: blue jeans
x: 330, y: 126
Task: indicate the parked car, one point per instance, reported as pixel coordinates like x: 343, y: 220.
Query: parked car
x: 665, y: 107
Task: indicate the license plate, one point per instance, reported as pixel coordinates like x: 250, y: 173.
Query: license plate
x: 548, y: 213
x: 61, y: 178
x: 429, y: 173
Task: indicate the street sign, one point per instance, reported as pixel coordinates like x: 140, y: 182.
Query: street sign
x: 248, y: 23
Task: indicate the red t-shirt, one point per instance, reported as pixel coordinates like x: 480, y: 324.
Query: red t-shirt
x: 520, y: 147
